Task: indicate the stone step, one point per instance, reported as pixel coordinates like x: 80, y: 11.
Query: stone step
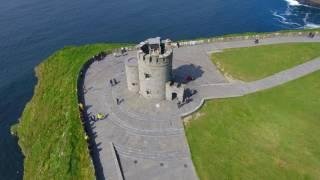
x: 145, y: 132
x: 121, y: 137
x: 164, y: 156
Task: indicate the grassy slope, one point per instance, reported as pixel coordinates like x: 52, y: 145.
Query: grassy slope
x: 272, y: 134
x: 254, y: 63
x: 50, y: 131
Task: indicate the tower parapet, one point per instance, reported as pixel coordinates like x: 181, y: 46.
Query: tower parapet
x: 150, y: 72
x: 155, y: 67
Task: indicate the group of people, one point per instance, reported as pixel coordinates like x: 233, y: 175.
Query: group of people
x: 123, y: 52
x: 99, y: 56
x: 119, y: 101
x: 185, y: 101
x: 113, y: 82
x: 311, y: 34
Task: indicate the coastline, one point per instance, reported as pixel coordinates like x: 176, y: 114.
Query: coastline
x: 314, y: 3
x: 38, y: 120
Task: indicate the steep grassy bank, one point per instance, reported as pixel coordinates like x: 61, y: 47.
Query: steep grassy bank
x: 50, y: 131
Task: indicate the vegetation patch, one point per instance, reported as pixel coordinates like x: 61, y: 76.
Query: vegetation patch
x: 50, y: 132
x: 253, y: 63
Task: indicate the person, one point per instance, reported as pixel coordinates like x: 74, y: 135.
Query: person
x: 81, y: 106
x: 100, y: 116
x: 111, y: 83
x: 115, y: 81
x: 117, y: 99
x: 178, y: 44
x: 256, y: 41
x: 179, y: 104
x: 194, y: 92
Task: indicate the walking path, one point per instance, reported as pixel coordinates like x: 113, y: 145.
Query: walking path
x: 143, y: 139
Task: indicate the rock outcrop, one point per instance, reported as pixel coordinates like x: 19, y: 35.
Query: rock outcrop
x: 315, y: 3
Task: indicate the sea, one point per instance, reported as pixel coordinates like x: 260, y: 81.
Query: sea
x: 32, y: 30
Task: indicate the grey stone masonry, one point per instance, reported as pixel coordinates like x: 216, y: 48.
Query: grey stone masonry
x: 155, y: 67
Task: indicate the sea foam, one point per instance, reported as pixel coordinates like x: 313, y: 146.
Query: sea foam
x: 293, y: 3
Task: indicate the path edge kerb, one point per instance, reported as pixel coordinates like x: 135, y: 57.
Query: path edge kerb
x: 91, y: 144
x: 247, y: 87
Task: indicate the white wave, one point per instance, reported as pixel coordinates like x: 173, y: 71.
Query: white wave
x: 305, y: 19
x: 284, y: 20
x: 293, y: 3
x: 311, y: 26
x: 279, y: 16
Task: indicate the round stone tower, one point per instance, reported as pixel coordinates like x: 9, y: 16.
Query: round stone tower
x: 154, y: 67
x: 132, y: 73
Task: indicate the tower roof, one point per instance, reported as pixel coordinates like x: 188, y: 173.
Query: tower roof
x: 156, y: 40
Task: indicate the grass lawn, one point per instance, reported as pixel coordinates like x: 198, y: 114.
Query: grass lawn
x: 50, y: 132
x: 272, y: 134
x: 253, y: 63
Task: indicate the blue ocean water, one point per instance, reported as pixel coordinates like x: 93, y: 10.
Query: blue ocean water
x: 31, y: 30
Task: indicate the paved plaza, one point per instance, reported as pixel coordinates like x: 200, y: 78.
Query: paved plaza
x: 144, y: 139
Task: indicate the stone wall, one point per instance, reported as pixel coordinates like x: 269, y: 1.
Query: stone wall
x: 243, y: 37
x: 154, y: 72
x: 132, y: 74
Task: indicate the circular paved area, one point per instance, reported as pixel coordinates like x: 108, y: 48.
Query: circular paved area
x: 148, y: 136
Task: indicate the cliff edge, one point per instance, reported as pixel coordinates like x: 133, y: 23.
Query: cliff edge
x: 315, y: 3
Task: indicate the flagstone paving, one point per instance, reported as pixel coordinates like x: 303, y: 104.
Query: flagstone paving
x: 143, y: 139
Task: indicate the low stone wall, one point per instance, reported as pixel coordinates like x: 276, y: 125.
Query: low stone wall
x: 92, y: 146
x: 227, y: 39
x: 243, y: 37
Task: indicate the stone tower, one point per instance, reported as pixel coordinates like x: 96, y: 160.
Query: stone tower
x: 155, y: 67
x: 132, y: 73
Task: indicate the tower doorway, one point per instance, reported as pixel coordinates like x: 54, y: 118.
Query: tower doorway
x: 174, y: 96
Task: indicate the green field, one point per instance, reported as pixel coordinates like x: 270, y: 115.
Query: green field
x: 253, y: 63
x: 50, y: 131
x: 272, y: 134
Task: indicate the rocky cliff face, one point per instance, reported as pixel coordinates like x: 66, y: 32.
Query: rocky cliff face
x: 310, y: 2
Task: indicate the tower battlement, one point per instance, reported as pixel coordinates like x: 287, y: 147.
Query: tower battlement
x: 152, y: 69
x: 155, y: 59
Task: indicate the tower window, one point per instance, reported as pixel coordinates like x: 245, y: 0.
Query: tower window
x: 147, y: 76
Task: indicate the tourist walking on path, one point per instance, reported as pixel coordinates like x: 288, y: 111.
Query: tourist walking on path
x: 256, y: 41
x: 118, y: 101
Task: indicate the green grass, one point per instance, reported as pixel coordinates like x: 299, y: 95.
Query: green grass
x: 50, y: 131
x: 272, y: 134
x: 252, y: 63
